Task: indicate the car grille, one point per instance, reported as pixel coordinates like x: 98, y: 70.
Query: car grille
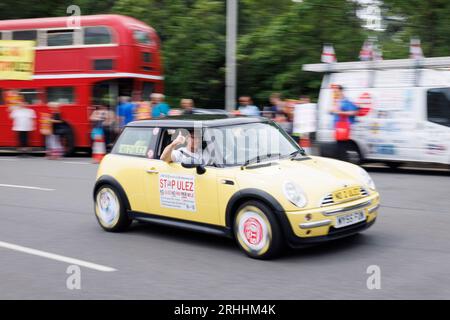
x: 328, y: 199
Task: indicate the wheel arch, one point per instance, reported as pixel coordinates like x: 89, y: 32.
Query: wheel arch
x: 108, y: 180
x: 256, y: 194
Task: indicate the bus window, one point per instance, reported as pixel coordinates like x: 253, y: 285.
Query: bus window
x: 142, y: 37
x: 103, y: 64
x: 31, y: 96
x: 146, y: 57
x: 97, y: 35
x: 63, y: 95
x: 438, y: 103
x: 24, y: 35
x: 60, y: 37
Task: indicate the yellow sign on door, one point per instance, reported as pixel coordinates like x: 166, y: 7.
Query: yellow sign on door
x: 16, y: 59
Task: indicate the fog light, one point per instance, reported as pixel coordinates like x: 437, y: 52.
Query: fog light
x: 308, y: 217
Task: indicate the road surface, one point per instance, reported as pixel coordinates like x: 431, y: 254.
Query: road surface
x: 47, y: 225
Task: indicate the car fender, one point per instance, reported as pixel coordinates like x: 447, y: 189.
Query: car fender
x: 263, y: 196
x: 106, y: 179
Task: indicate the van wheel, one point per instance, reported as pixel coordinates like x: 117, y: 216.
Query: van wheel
x: 394, y: 165
x: 257, y: 232
x: 352, y: 153
x: 109, y: 209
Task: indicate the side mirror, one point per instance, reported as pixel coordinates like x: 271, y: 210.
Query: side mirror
x: 199, y: 168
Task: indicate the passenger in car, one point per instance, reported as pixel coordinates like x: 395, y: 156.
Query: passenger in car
x: 191, y: 153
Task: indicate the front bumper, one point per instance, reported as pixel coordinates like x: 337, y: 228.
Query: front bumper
x: 318, y: 225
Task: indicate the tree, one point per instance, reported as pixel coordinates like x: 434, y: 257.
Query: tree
x: 271, y: 57
x: 429, y: 20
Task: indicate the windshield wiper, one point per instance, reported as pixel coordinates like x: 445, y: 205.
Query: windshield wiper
x: 261, y: 158
x: 294, y: 154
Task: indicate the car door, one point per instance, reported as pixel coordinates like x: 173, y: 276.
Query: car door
x: 173, y: 191
x: 129, y: 161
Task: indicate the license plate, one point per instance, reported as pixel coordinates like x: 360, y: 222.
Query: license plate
x: 349, y: 219
x: 346, y: 194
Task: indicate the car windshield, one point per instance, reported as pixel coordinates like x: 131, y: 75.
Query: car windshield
x: 249, y: 143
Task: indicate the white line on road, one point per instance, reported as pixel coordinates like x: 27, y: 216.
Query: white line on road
x: 57, y: 257
x: 76, y: 162
x: 25, y: 187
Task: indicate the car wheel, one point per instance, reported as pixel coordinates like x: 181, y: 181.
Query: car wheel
x: 257, y: 232
x: 109, y: 209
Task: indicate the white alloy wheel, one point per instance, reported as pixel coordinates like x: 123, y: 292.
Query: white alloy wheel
x: 107, y: 207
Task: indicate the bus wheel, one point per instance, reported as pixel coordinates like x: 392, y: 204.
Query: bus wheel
x: 68, y: 139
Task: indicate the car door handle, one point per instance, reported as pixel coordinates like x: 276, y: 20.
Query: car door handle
x: 152, y: 170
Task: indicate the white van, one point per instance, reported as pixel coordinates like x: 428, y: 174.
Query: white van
x: 409, y: 103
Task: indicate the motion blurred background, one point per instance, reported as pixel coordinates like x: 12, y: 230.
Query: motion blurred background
x: 275, y: 38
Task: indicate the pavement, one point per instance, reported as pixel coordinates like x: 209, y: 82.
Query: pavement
x: 47, y: 225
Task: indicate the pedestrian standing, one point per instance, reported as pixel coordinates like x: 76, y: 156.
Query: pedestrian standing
x: 103, y: 118
x: 125, y: 111
x: 187, y: 106
x: 46, y: 130
x: 24, y: 119
x: 159, y: 107
x: 345, y: 113
x: 276, y: 107
x: 247, y: 108
x: 56, y: 148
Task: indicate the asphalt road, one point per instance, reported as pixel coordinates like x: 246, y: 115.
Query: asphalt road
x: 410, y: 243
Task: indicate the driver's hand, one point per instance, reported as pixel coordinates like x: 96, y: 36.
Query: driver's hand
x: 179, y: 140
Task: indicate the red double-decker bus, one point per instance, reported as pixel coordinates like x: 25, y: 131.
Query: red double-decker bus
x: 103, y: 57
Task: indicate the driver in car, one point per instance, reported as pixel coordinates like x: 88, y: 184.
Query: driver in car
x: 191, y: 153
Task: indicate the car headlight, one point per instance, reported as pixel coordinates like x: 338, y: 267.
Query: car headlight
x: 366, y: 179
x: 294, y: 194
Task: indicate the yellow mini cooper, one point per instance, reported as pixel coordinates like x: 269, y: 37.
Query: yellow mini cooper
x: 241, y: 177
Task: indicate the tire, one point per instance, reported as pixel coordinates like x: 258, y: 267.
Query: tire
x: 394, y: 165
x: 351, y: 153
x: 257, y: 232
x: 109, y: 209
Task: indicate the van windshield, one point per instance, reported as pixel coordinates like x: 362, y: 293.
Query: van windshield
x: 249, y: 143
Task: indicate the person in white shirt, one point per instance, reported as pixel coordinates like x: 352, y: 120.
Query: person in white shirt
x: 247, y: 108
x: 24, y: 121
x: 190, y: 154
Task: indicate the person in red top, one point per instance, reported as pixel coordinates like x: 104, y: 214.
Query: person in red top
x: 344, y: 112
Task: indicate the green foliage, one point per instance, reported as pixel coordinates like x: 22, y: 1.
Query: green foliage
x: 275, y: 38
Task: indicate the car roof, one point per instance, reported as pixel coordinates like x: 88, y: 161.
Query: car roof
x: 191, y: 121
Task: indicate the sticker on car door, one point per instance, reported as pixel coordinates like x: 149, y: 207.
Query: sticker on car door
x: 177, y: 191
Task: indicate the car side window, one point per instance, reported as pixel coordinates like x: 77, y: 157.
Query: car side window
x: 167, y: 136
x: 438, y: 103
x: 137, y: 142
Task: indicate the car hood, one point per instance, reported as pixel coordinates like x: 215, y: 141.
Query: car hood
x: 317, y: 176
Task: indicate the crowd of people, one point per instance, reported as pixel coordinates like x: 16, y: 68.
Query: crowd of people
x: 108, y: 121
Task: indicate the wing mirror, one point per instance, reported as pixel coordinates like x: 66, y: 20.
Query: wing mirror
x: 199, y: 167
